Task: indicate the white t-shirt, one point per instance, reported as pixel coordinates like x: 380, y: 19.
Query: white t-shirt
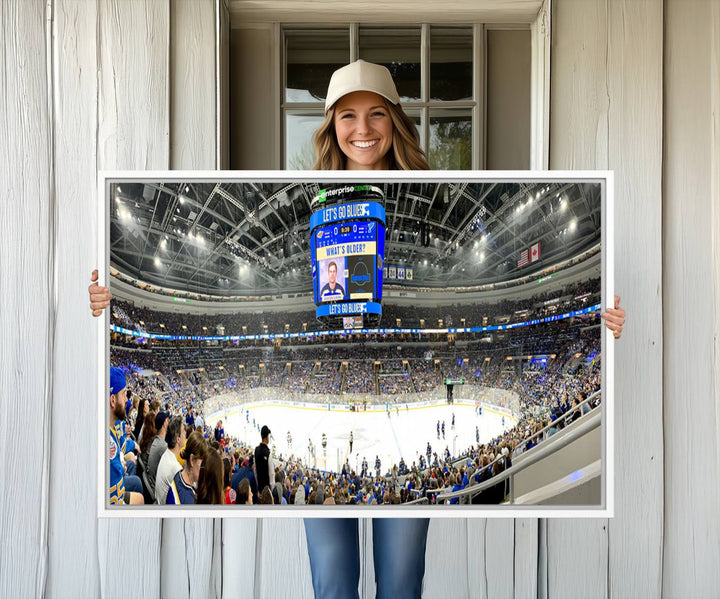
x: 167, y: 468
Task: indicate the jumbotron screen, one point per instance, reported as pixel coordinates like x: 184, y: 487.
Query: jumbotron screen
x: 347, y: 248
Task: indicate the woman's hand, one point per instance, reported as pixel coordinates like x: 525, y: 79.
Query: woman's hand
x: 615, y: 318
x: 99, y: 296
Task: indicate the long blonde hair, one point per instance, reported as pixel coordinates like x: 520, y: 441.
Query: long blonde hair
x: 405, y: 153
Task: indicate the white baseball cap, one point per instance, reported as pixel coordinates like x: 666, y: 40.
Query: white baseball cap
x: 361, y: 76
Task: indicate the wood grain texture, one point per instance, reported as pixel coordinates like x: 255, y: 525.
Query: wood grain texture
x: 607, y: 113
x: 490, y: 563
x: 132, y: 134
x: 282, y: 566
x: 74, y: 568
x: 191, y: 550
x: 133, y: 127
x: 692, y: 399
x: 190, y: 561
x: 577, y: 562
x: 576, y: 550
x: 26, y: 284
x: 238, y: 558
x: 192, y: 85
x: 447, y: 552
x: 578, y: 90
x: 526, y: 539
x: 635, y: 537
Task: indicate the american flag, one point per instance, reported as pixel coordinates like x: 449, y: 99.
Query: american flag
x: 523, y: 259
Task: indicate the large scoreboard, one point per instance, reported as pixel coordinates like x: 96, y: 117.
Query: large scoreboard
x: 347, y: 249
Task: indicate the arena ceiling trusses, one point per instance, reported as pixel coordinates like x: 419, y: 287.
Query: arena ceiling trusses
x: 250, y: 239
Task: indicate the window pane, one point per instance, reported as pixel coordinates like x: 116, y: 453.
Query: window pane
x: 415, y: 117
x: 450, y: 139
x: 451, y: 56
x: 311, y: 58
x: 399, y: 51
x: 299, y: 150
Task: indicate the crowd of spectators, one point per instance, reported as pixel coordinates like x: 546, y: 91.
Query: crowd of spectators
x: 471, y: 314
x: 548, y: 390
x: 550, y: 368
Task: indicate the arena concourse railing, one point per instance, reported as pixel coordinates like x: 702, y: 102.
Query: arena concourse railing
x: 421, y: 501
x: 546, y: 429
x: 546, y: 449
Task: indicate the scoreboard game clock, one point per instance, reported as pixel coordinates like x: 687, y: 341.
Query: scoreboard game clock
x: 347, y: 249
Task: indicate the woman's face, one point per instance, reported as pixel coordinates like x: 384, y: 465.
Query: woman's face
x: 364, y: 130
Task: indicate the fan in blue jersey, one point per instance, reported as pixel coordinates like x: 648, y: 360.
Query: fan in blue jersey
x: 127, y: 443
x: 117, y: 491
x: 332, y: 290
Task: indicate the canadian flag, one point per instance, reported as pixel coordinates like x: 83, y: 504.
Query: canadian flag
x: 535, y: 252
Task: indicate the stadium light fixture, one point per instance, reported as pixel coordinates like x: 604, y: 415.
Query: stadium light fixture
x: 157, y: 262
x: 573, y: 225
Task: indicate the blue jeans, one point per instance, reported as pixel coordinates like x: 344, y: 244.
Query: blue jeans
x: 132, y: 483
x: 398, y: 553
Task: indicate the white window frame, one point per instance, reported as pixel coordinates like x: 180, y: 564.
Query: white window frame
x: 533, y: 13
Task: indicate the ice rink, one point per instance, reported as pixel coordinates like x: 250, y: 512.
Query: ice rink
x: 404, y: 433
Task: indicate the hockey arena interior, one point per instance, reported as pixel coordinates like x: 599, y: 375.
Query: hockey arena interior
x: 450, y: 356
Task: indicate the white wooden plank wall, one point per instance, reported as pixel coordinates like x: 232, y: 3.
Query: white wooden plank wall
x: 131, y: 85
x: 635, y: 535
x: 73, y: 566
x: 606, y: 112
x: 191, y: 560
x: 692, y: 322
x: 132, y: 133
x: 193, y: 85
x: 26, y: 278
x: 576, y: 551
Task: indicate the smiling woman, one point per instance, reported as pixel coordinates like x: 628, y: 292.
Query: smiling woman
x: 365, y: 128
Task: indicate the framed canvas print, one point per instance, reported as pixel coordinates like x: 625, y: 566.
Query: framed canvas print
x: 329, y: 344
